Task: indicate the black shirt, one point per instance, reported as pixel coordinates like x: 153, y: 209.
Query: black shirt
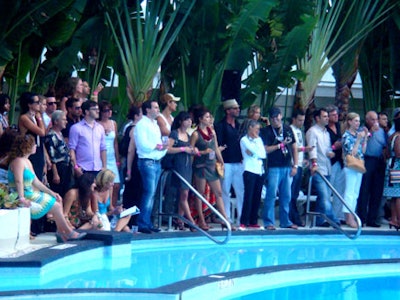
x: 336, y: 137
x: 270, y: 137
x: 229, y: 136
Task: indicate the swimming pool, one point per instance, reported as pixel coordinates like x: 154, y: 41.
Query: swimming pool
x: 189, y: 265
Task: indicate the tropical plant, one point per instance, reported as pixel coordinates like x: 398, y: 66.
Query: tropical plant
x: 143, y: 38
x: 281, y: 40
x: 7, y: 200
x: 335, y: 18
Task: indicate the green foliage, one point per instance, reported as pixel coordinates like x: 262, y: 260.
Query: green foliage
x: 7, y: 200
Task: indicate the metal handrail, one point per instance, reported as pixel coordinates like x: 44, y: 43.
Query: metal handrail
x: 327, y: 219
x: 227, y: 224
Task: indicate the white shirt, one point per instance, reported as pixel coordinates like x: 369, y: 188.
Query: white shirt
x: 319, y: 137
x: 147, y: 136
x: 253, y: 163
x: 298, y: 136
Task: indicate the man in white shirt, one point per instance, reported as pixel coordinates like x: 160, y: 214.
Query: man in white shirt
x: 320, y: 155
x: 150, y: 150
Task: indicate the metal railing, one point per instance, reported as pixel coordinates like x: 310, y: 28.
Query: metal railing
x: 314, y: 214
x: 163, y: 180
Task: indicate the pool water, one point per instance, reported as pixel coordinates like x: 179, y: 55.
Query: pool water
x: 354, y: 289
x: 148, y: 264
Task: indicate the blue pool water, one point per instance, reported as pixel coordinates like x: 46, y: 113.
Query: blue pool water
x: 150, y: 264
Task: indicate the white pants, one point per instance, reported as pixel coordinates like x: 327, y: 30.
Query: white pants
x: 353, y: 184
x: 233, y: 177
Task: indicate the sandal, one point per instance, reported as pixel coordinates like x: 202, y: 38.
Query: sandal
x: 72, y: 236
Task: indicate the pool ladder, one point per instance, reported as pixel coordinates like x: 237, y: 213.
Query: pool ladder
x: 163, y: 180
x: 314, y: 214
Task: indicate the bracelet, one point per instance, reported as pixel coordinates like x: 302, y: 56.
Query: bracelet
x: 282, y: 145
x: 95, y: 93
x: 182, y: 149
x: 295, y: 166
x: 314, y: 164
x: 128, y: 172
x: 333, y: 147
x: 118, y: 163
x: 302, y: 148
x: 76, y: 167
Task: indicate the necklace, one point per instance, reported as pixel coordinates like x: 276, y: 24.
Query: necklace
x: 206, y: 136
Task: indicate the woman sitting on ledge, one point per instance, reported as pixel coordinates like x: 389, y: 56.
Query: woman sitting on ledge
x: 32, y: 192
x: 88, y: 206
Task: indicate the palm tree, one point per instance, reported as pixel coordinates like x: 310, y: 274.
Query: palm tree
x: 326, y: 47
x: 143, y: 38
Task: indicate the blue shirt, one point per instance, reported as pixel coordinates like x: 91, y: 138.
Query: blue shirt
x: 376, y: 143
x: 348, y: 142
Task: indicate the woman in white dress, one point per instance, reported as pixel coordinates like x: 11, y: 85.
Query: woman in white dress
x: 113, y: 161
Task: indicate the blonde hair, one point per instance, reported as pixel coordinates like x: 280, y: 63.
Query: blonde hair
x: 104, y: 177
x: 351, y: 116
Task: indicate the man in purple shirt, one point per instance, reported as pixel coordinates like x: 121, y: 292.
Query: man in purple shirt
x: 87, y: 141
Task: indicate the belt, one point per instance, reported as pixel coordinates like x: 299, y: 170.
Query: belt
x: 150, y: 159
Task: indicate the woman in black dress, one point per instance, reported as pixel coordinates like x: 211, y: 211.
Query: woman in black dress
x: 182, y: 151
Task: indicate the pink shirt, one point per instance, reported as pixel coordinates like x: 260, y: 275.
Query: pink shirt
x: 88, y: 142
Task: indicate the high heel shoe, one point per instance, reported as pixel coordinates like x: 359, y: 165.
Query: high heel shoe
x: 397, y: 227
x: 223, y: 226
x: 178, y: 224
x: 65, y: 237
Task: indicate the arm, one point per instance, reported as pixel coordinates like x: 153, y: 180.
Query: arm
x: 77, y: 169
x: 103, y: 156
x: 26, y: 124
x: 17, y: 168
x: 131, y: 154
x: 117, y: 158
x: 163, y: 126
x: 217, y: 151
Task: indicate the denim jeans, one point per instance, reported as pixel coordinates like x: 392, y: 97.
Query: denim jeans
x: 339, y: 183
x: 278, y: 179
x: 296, y: 184
x: 323, y: 204
x: 150, y: 172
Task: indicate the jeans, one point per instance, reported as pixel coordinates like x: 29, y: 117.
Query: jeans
x: 353, y: 183
x: 339, y: 183
x: 233, y: 176
x: 296, y: 184
x: 150, y: 171
x: 323, y: 204
x: 253, y: 184
x: 278, y: 179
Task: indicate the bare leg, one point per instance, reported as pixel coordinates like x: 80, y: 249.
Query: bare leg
x: 122, y: 224
x: 62, y: 226
x: 216, y: 189
x: 184, y: 205
x: 115, y: 194
x: 201, y: 186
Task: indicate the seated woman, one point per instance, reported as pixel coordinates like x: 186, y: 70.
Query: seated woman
x: 103, y: 190
x: 79, y: 206
x: 32, y: 192
x: 89, y: 205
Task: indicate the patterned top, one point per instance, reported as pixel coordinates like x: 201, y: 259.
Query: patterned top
x: 57, y: 148
x: 3, y: 121
x: 349, y: 141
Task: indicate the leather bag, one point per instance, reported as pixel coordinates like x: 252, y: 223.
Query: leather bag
x: 355, y: 163
x: 219, y: 167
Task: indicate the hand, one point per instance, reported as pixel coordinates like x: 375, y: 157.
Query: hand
x: 99, y: 88
x: 196, y: 151
x: 330, y: 154
x: 313, y: 169
x: 128, y: 177
x: 207, y: 151
x: 222, y: 148
x: 56, y: 179
x: 293, y: 172
x: 248, y: 152
x: 361, y: 134
x: 58, y: 197
x: 338, y: 145
x: 78, y: 172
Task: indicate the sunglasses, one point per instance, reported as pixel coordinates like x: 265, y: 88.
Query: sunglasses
x: 51, y: 103
x: 106, y: 110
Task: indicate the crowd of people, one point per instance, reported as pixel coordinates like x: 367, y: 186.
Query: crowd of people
x: 65, y: 162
